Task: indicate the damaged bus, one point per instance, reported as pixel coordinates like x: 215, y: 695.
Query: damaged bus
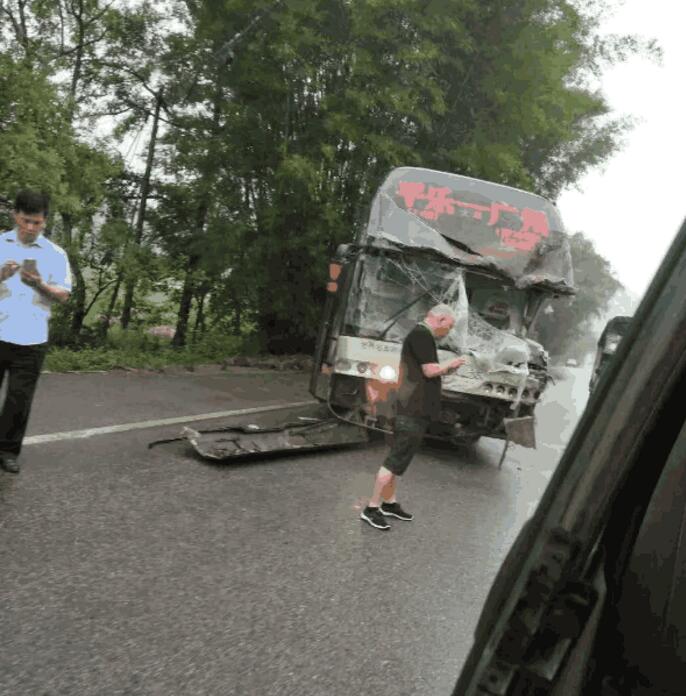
x: 493, y: 253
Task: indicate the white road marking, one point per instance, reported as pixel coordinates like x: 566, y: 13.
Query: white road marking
x: 124, y: 427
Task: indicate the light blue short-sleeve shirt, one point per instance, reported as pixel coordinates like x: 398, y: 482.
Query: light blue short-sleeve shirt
x: 24, y: 312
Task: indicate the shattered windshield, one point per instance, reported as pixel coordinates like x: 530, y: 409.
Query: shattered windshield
x: 391, y: 293
x: 502, y: 306
x: 473, y: 222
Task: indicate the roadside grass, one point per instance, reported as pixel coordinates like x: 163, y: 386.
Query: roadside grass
x: 140, y: 350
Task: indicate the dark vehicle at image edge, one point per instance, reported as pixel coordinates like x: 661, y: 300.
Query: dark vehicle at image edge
x: 608, y: 343
x: 591, y: 599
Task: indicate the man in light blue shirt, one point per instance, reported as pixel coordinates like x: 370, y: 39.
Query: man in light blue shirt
x: 34, y: 273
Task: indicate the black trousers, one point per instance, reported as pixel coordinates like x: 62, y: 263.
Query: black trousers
x: 23, y: 365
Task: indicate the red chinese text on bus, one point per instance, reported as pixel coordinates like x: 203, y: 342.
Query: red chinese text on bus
x: 438, y: 201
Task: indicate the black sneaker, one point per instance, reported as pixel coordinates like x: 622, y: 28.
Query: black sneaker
x: 394, y: 510
x: 374, y: 517
x: 10, y: 464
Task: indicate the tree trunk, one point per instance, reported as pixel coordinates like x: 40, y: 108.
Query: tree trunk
x: 237, y: 314
x: 188, y: 290
x: 97, y: 294
x: 78, y: 61
x: 145, y: 190
x: 105, y: 324
x: 179, y: 339
x: 78, y: 299
x: 200, y: 316
x: 78, y: 296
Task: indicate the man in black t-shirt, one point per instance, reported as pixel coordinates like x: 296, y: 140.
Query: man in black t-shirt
x: 419, y: 402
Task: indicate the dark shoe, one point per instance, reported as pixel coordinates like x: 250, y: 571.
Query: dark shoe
x: 10, y: 464
x: 394, y: 510
x: 374, y: 517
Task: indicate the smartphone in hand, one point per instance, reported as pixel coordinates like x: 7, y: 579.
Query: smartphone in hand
x: 29, y: 265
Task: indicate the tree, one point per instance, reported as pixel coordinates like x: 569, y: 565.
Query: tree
x: 277, y: 121
x: 77, y: 46
x: 325, y: 97
x: 32, y: 129
x: 38, y: 149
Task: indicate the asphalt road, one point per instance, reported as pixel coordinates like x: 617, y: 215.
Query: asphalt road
x: 128, y: 571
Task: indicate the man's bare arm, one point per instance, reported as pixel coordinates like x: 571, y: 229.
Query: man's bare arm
x: 439, y: 369
x: 53, y: 292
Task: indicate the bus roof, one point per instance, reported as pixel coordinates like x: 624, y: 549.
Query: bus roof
x: 476, y: 223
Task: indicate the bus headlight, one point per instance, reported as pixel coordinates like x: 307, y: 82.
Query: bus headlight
x: 388, y: 373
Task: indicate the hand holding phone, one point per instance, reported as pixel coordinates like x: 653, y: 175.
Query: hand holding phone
x: 29, y: 273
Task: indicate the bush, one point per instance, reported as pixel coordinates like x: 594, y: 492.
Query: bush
x: 137, y: 349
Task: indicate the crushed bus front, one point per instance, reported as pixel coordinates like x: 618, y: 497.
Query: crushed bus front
x: 493, y: 253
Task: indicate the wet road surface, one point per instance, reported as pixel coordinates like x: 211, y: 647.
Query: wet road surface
x: 134, y: 572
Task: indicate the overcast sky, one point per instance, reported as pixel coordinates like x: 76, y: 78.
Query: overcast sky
x: 634, y: 206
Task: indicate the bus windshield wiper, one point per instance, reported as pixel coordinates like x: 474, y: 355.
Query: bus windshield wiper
x: 395, y: 317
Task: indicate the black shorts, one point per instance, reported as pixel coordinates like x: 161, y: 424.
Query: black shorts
x: 407, y: 439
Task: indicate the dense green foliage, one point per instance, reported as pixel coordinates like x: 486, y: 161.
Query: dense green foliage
x: 275, y: 122
x: 132, y: 350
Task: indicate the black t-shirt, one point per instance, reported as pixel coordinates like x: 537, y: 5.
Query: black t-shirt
x: 418, y: 395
